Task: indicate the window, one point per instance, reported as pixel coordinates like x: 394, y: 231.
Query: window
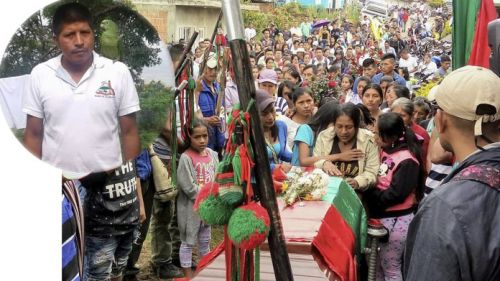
x: 185, y: 32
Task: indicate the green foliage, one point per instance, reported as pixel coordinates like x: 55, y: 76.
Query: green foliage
x: 436, y: 3
x: 156, y: 102
x: 33, y: 44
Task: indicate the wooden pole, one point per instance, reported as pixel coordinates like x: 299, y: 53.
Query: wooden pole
x: 262, y: 172
x: 183, y: 62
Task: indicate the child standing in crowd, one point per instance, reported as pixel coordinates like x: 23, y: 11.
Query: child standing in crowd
x: 196, y: 167
x: 346, y: 88
x: 399, y: 188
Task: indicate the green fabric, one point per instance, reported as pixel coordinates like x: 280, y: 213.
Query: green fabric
x: 257, y: 264
x: 243, y: 224
x: 232, y: 195
x: 347, y: 202
x: 464, y: 26
x: 214, y: 211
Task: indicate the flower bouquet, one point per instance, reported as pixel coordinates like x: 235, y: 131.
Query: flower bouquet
x: 302, y: 185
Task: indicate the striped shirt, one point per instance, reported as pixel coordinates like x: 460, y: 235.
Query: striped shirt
x: 69, y: 247
x: 436, y: 175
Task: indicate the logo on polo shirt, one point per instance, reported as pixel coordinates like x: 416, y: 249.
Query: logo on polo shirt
x: 105, y: 91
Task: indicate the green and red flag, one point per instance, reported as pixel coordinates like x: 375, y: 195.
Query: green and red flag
x: 470, y: 32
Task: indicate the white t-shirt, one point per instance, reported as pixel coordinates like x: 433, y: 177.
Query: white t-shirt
x: 291, y: 127
x: 410, y: 63
x: 81, y: 120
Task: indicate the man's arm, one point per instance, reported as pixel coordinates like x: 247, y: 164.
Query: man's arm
x: 33, y: 135
x: 131, y: 144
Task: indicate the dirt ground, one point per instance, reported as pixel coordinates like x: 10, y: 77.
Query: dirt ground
x: 147, y: 274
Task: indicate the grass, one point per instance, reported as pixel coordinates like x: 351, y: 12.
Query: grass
x: 147, y: 274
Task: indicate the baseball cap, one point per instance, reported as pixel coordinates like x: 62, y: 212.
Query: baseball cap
x: 300, y: 50
x: 268, y: 75
x: 471, y: 93
x: 263, y: 99
x: 211, y: 61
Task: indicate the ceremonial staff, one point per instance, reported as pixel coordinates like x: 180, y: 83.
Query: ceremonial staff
x: 183, y: 62
x: 207, y: 51
x: 246, y: 91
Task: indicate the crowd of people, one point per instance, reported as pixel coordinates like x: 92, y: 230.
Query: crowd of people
x: 329, y: 97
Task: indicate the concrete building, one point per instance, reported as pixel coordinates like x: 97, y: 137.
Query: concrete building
x: 177, y: 19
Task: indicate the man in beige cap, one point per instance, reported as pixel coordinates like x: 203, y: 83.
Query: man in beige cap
x: 207, y: 100
x: 455, y: 234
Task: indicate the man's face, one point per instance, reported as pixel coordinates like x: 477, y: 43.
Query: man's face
x: 252, y: 61
x: 206, y: 44
x: 386, y: 45
x: 308, y: 74
x: 269, y: 54
x: 76, y: 42
x: 446, y: 65
x: 387, y: 66
x: 369, y: 71
x: 405, y: 55
x: 319, y: 53
x: 210, y: 74
x: 266, y: 34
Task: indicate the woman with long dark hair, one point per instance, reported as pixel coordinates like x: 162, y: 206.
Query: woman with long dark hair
x: 373, y: 97
x: 305, y: 139
x: 353, y: 149
x: 275, y: 132
x: 398, y: 191
x: 303, y: 108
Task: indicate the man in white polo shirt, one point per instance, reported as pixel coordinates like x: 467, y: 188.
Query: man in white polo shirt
x: 78, y: 104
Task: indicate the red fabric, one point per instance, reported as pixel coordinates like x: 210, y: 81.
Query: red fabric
x: 480, y: 53
x: 336, y: 243
x: 419, y: 131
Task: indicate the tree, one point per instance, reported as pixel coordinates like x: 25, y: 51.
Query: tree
x: 156, y: 101
x: 33, y: 44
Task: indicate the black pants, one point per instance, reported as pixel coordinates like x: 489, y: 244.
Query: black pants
x: 148, y: 192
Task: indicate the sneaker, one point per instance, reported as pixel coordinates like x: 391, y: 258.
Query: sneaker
x: 166, y: 271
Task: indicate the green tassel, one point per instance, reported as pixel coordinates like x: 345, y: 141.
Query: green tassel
x: 214, y: 211
x: 231, y: 195
x: 191, y: 83
x: 257, y: 264
x: 237, y: 167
